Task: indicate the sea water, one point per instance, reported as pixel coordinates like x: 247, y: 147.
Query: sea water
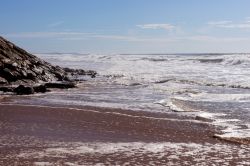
x: 214, y: 87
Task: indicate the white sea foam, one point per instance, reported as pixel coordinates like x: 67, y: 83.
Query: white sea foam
x: 210, y: 115
x: 174, y: 152
x: 211, y: 97
x: 231, y: 128
x: 178, y: 79
x: 150, y: 68
x: 42, y: 163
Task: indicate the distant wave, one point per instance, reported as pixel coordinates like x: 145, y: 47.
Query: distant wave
x: 234, y: 59
x: 155, y: 59
x: 200, y: 83
x: 114, y: 76
x: 135, y: 84
x: 210, y: 60
x: 163, y: 81
x: 104, y: 57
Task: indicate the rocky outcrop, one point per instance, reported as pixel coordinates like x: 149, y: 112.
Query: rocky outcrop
x: 20, y: 67
x: 60, y: 85
x: 74, y: 72
x: 30, y: 89
x: 20, y: 72
x: 24, y: 90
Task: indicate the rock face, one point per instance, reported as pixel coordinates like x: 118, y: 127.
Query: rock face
x: 80, y: 72
x: 20, y: 67
x: 22, y: 90
x: 61, y: 85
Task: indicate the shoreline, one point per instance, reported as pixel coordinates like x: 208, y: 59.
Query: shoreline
x: 111, y: 118
x: 29, y: 130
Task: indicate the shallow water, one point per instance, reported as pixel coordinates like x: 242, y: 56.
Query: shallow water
x: 210, y: 86
x: 139, y: 153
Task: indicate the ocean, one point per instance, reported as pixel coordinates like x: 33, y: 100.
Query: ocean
x: 200, y: 88
x: 210, y: 87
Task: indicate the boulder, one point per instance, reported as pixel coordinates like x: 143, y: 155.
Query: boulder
x: 6, y: 89
x: 40, y: 89
x: 72, y: 72
x: 60, y: 85
x: 24, y: 90
x: 3, y: 80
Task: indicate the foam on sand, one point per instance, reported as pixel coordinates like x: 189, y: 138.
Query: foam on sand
x: 155, y: 153
x: 177, y: 105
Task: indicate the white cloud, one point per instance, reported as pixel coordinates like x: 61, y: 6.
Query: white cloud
x: 230, y: 24
x: 217, y: 23
x: 156, y: 26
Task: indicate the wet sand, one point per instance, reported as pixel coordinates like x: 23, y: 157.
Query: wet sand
x: 32, y: 135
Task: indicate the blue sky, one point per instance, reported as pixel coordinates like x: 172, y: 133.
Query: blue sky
x: 127, y: 26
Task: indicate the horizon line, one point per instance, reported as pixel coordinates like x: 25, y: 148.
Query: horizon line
x: 167, y: 53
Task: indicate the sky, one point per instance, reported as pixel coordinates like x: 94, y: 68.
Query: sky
x: 127, y: 26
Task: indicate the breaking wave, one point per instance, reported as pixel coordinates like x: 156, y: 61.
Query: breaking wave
x: 155, y: 59
x: 219, y: 60
x: 232, y: 128
x: 232, y: 59
x: 188, y: 83
x: 202, y: 83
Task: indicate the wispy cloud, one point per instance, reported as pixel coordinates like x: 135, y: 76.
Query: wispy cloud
x: 122, y: 38
x: 45, y: 34
x: 204, y: 38
x: 56, y: 24
x: 230, y: 24
x: 194, y: 38
x: 78, y: 36
x: 156, y: 26
x: 85, y: 36
x: 217, y: 23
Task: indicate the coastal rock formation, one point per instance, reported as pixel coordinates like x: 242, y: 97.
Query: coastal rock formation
x: 20, y: 71
x: 20, y: 67
x: 23, y: 90
x: 61, y: 85
x: 73, y: 72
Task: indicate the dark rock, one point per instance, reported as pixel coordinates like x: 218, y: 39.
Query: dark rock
x: 60, y: 85
x: 68, y: 70
x: 8, y: 75
x: 31, y: 75
x: 16, y: 65
x: 24, y: 90
x: 6, y: 89
x: 24, y: 74
x: 40, y: 89
x: 72, y: 72
x: 3, y: 80
x: 59, y: 76
x: 200, y: 118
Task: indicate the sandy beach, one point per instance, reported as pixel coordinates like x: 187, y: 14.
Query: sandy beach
x: 125, y: 83
x: 32, y: 135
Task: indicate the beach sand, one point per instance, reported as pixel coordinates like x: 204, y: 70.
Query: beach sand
x: 33, y: 135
